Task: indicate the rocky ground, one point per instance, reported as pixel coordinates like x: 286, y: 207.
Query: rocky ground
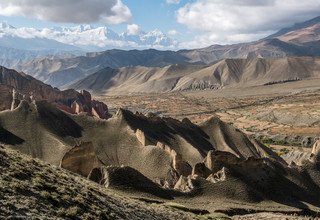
x: 31, y: 189
x: 239, y: 184
x: 279, y: 115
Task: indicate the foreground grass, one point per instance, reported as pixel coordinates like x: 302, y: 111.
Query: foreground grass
x: 30, y: 188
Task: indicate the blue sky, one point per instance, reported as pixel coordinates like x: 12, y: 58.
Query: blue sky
x: 148, y: 14
x: 157, y: 14
x: 196, y: 23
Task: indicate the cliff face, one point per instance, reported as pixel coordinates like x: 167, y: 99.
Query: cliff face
x: 15, y: 86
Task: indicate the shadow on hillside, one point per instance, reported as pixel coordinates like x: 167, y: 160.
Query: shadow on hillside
x: 57, y: 121
x: 7, y: 137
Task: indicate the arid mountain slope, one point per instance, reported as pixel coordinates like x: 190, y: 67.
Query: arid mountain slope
x: 10, y: 79
x: 225, y: 73
x: 34, y: 189
x: 136, y: 79
x: 303, y: 36
x: 172, y: 159
x: 301, y: 39
x: 296, y: 27
x: 15, y: 86
x: 119, y: 140
x: 61, y: 72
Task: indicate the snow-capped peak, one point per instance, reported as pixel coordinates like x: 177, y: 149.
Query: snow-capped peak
x: 92, y: 38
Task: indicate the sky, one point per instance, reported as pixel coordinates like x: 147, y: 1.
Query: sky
x: 194, y: 23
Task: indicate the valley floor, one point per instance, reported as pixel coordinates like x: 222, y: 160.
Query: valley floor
x: 280, y: 114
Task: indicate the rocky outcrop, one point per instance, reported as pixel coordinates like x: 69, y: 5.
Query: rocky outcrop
x: 128, y: 179
x: 201, y: 170
x: 316, y: 148
x: 85, y: 103
x: 184, y: 184
x: 216, y: 160
x: 316, y: 152
x: 142, y: 138
x: 218, y: 176
x: 182, y: 167
x: 15, y: 87
x: 81, y: 159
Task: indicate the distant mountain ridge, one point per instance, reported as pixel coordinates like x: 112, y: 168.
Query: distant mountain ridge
x: 62, y: 72
x: 225, y: 73
x: 295, y: 27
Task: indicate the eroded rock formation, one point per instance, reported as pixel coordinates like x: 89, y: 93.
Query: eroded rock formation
x: 15, y: 87
x: 81, y: 159
x: 142, y: 138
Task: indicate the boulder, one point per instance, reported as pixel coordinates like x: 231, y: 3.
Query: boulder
x: 215, y: 160
x: 81, y: 159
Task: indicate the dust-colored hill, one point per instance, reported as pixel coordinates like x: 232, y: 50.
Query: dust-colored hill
x: 303, y: 36
x: 194, y: 164
x: 269, y: 48
x: 61, y: 72
x: 33, y: 189
x: 225, y: 73
x: 136, y: 79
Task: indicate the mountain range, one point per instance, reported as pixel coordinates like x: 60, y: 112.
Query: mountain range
x: 79, y: 38
x: 180, y: 77
x: 300, y: 40
x: 130, y: 165
x: 158, y: 159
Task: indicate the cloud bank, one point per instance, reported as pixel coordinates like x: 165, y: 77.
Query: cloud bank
x: 233, y: 21
x: 68, y: 11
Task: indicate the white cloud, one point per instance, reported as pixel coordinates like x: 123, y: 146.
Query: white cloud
x: 69, y: 11
x: 133, y: 29
x: 173, y: 33
x: 231, y: 21
x: 93, y: 38
x: 173, y: 1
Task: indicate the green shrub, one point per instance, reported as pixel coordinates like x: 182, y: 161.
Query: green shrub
x: 73, y: 211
